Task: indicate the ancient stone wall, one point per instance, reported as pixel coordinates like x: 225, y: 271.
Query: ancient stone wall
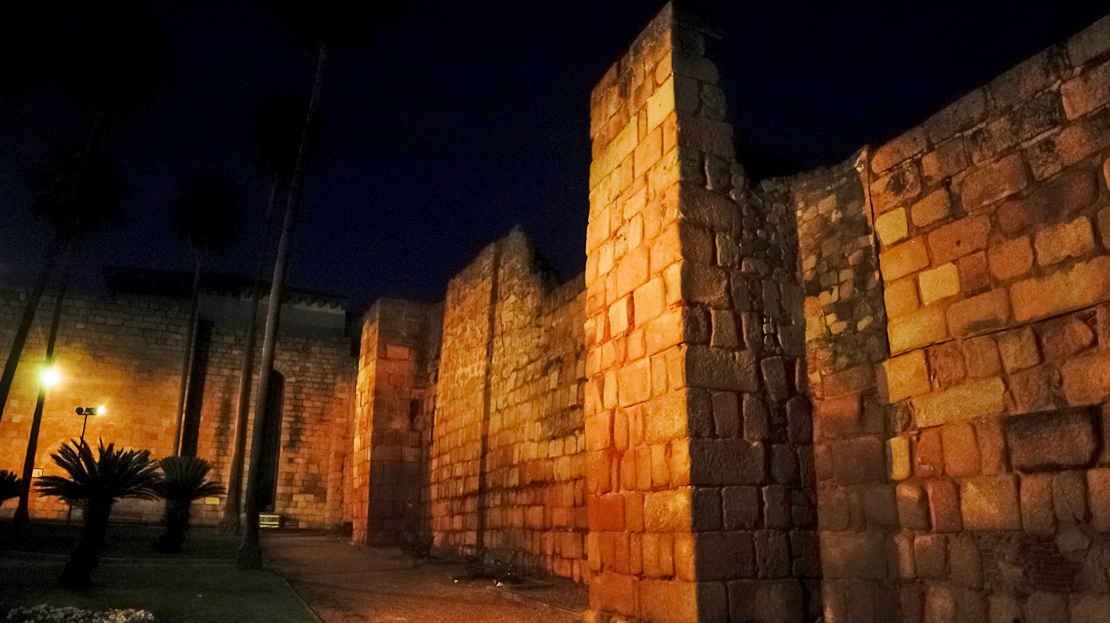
x: 507, y: 449
x: 387, y: 463
x: 126, y: 352
x: 702, y: 504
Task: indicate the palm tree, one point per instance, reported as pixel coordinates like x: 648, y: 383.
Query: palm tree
x: 108, y: 56
x: 276, y: 135
x: 98, y: 483
x: 10, y: 486
x: 22, y: 514
x: 184, y: 479
x: 207, y: 215
x: 326, y: 26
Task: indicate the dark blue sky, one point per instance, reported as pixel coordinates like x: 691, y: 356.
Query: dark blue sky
x: 465, y: 119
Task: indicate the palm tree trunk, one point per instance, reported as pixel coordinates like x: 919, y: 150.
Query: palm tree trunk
x: 22, y: 514
x: 25, y: 323
x: 250, y: 552
x: 175, y: 526
x: 230, y: 521
x: 187, y: 369
x: 86, y: 556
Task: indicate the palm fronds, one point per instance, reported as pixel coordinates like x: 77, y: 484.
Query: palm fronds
x: 10, y: 485
x: 186, y: 478
x: 112, y: 475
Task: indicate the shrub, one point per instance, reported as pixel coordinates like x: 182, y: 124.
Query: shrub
x: 99, y: 482
x: 184, y: 479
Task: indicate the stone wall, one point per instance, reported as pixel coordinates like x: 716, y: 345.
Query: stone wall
x: 485, y: 395
x: 702, y: 504
x: 994, y: 223
x: 125, y: 352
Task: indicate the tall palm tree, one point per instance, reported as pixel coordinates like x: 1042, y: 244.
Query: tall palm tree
x: 97, y: 482
x: 276, y: 135
x: 109, y: 57
x: 326, y: 26
x: 207, y: 215
x: 22, y: 514
x: 10, y: 486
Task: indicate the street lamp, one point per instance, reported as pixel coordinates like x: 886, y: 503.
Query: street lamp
x: 50, y: 376
x: 87, y: 411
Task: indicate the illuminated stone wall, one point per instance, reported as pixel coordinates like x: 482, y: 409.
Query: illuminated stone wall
x: 126, y: 352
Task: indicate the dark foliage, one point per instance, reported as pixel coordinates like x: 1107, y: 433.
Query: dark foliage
x: 97, y: 482
x: 275, y: 133
x: 78, y: 191
x: 184, y: 479
x: 10, y: 485
x: 206, y: 213
x: 335, y: 23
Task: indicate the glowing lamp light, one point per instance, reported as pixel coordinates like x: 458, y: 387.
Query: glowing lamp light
x: 101, y: 410
x: 50, y: 377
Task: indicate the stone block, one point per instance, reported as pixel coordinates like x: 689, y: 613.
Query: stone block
x: 1013, y: 258
x: 979, y: 314
x: 1090, y: 43
x: 904, y: 259
x: 1089, y: 608
x: 776, y: 506
x: 992, y: 447
x: 974, y: 272
x: 606, y: 513
x: 962, y: 114
x: 1051, y: 441
x: 940, y: 603
x: 756, y: 419
x: 721, y: 369
x: 913, y: 506
x: 947, y: 364
x: 725, y: 555
x: 981, y: 398
x: 981, y: 357
x: 1031, y: 389
x: 905, y: 376
x: 1087, y: 91
x: 901, y: 466
x: 959, y: 238
x: 1070, y: 146
x: 900, y: 297
x: 944, y: 505
x: 1066, y: 337
x: 939, y: 283
x: 898, y: 150
x: 726, y: 462
x: 766, y: 601
x: 740, y: 507
x: 920, y: 328
x: 945, y: 161
x: 667, y: 511
x: 1086, y: 380
x: 990, y: 503
x: 1069, y: 496
x: 1004, y: 608
x: 1046, y: 608
x: 726, y: 414
x: 961, y: 449
x: 900, y: 186
x: 772, y: 554
x: 613, y: 592
x: 928, y: 455
x: 1018, y: 349
x: 854, y: 555
x: 930, y: 555
x: 858, y: 461
x: 669, y: 600
x: 892, y: 227
x: 1098, y: 488
x: 1037, y: 512
x: 993, y: 183
x: 965, y: 562
x: 1057, y: 243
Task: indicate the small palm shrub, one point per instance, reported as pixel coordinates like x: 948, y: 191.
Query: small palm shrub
x: 184, y: 479
x: 97, y: 482
x: 10, y: 485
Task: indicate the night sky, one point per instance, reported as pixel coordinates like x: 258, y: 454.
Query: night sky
x: 466, y: 118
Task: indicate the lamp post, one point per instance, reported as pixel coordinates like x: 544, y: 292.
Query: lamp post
x: 87, y: 411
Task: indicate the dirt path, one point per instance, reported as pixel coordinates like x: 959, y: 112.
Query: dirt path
x: 344, y: 584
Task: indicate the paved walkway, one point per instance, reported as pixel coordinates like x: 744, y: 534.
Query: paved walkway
x: 345, y: 584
